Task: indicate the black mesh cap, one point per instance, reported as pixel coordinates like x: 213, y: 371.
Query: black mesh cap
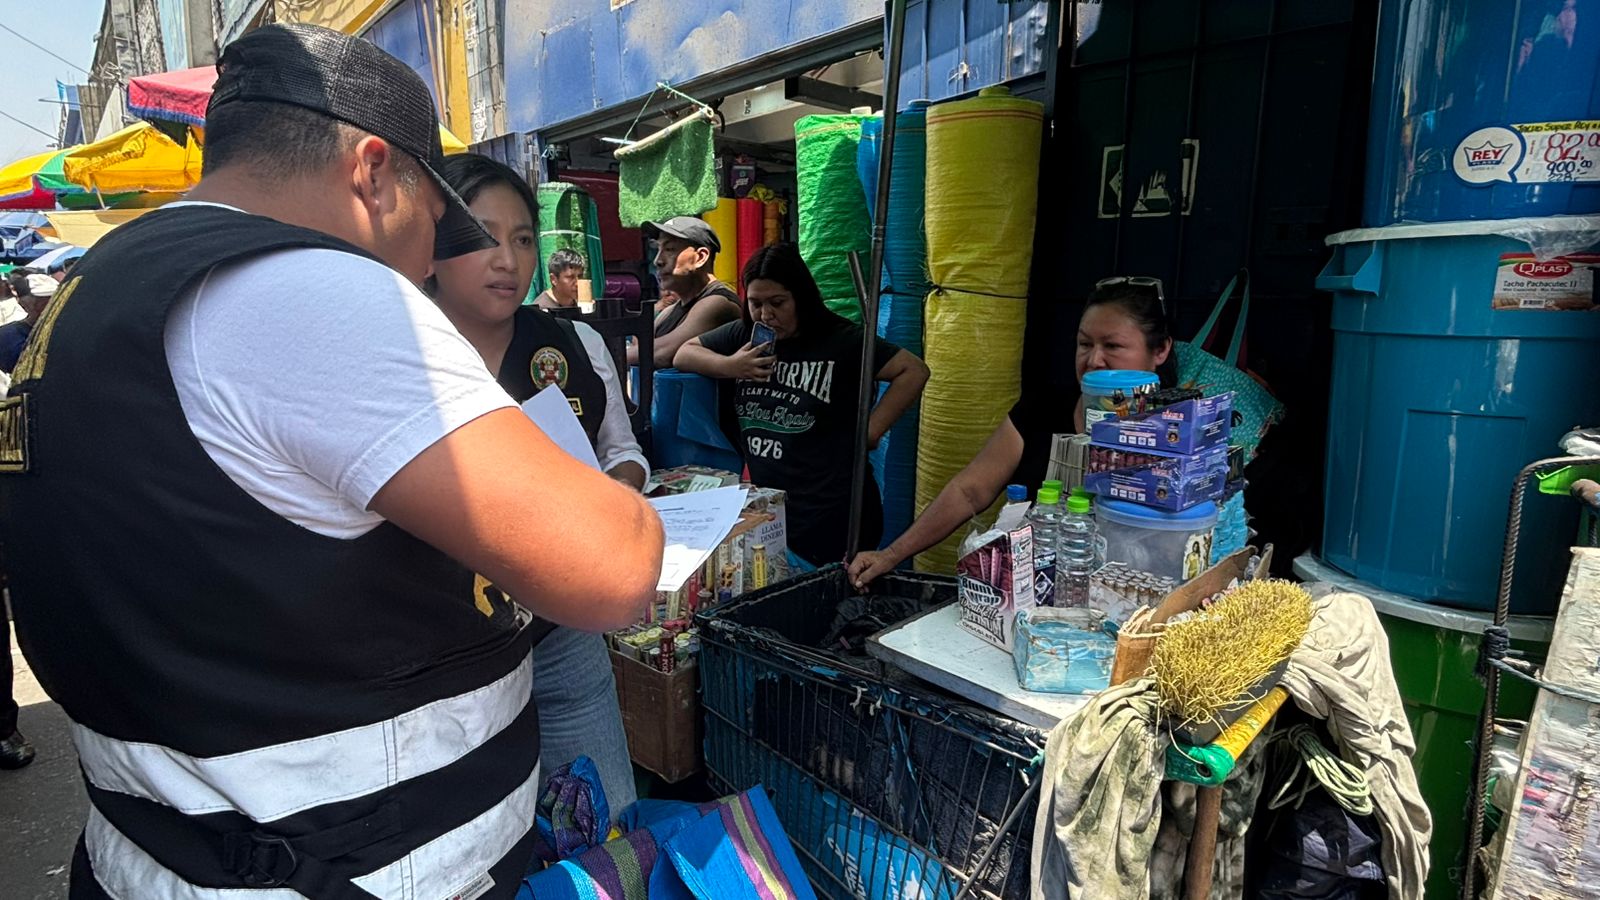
x: 352, y: 80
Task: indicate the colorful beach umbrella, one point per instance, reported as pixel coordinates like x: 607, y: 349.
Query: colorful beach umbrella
x: 137, y: 158
x: 37, y: 182
x: 19, y: 187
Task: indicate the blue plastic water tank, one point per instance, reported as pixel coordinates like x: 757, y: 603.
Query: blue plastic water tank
x: 1452, y: 82
x: 1438, y: 400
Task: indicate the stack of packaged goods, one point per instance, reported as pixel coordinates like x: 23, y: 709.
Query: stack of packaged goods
x: 1160, y: 468
x: 656, y: 660
x: 752, y: 556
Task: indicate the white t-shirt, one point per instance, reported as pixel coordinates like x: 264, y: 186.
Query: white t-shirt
x: 312, y: 376
x: 615, y: 443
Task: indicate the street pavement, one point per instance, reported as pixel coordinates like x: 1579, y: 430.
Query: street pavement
x: 42, y: 807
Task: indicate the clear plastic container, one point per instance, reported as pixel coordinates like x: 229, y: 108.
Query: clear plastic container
x: 1173, y: 544
x: 1077, y: 552
x: 1108, y: 393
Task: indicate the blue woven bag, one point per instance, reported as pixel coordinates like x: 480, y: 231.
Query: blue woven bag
x: 1254, y: 408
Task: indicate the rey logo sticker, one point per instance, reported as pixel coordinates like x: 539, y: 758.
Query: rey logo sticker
x: 549, y: 367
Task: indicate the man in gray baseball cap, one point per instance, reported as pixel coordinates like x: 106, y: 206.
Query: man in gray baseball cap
x: 686, y: 251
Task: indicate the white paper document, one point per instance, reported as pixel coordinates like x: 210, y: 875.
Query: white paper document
x: 695, y: 524
x: 550, y: 411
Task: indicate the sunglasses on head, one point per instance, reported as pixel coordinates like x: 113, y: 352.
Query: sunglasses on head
x: 1144, y: 281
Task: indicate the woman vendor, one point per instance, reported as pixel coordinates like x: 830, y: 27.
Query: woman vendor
x: 797, y: 367
x: 1124, y: 326
x: 529, y: 350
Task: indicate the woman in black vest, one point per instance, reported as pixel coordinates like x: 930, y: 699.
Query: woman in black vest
x: 529, y: 350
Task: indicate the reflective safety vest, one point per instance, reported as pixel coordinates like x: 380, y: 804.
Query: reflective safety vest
x: 255, y: 705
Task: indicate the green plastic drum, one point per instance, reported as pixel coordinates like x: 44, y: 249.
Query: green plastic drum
x: 1434, y: 650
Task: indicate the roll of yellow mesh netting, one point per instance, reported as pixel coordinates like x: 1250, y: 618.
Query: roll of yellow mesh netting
x: 974, y: 352
x: 724, y: 220
x: 982, y: 197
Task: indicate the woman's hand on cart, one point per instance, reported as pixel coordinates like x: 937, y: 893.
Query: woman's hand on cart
x: 869, y: 564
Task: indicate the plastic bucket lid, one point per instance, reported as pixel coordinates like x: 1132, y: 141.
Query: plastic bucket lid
x: 1104, y: 381
x: 1133, y: 515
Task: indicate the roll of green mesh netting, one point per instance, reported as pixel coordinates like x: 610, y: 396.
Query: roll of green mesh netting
x: 569, y: 220
x: 833, y: 208
x: 982, y: 193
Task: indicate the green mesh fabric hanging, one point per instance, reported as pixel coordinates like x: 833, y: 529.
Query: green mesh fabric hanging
x: 833, y: 207
x: 568, y: 220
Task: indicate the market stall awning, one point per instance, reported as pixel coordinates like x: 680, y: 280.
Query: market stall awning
x: 19, y: 184
x: 173, y: 101
x: 85, y: 227
x: 38, y: 182
x: 137, y: 158
x: 56, y: 255
x: 20, y: 231
x: 179, y: 96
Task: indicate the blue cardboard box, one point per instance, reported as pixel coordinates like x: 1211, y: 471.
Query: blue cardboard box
x: 1187, y: 427
x: 1170, y: 481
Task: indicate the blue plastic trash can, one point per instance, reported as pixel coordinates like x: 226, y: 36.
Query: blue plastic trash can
x: 1438, y: 399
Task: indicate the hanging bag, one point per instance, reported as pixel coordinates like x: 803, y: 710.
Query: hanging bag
x: 1255, y: 409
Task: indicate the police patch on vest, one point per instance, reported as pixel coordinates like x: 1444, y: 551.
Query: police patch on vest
x: 14, y: 433
x: 490, y: 600
x: 549, y: 367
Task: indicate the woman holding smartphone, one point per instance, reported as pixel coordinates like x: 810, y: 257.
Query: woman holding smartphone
x: 796, y: 367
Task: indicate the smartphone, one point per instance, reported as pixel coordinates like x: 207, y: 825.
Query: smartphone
x: 762, y: 336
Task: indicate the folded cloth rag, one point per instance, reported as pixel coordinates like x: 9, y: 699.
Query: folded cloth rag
x: 1100, y: 806
x: 1341, y: 673
x: 573, y: 815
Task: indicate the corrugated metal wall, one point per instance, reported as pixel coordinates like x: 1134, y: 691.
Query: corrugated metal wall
x: 567, y: 59
x: 402, y: 32
x: 954, y: 47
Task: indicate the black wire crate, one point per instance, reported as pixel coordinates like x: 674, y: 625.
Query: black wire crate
x: 887, y: 788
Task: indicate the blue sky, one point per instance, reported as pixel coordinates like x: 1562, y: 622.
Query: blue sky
x: 66, y: 27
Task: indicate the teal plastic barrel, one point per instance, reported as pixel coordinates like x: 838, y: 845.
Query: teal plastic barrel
x: 1438, y: 399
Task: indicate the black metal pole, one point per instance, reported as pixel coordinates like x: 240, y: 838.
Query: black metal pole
x: 869, y: 285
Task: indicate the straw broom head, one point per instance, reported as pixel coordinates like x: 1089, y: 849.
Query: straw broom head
x: 1208, y: 664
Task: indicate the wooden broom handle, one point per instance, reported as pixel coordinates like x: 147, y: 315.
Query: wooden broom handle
x: 1202, y: 844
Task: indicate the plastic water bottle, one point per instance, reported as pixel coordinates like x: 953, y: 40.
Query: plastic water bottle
x: 1100, y: 541
x: 1045, y: 517
x: 1076, y: 547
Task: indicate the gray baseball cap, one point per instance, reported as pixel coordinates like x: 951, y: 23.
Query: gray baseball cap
x: 688, y: 228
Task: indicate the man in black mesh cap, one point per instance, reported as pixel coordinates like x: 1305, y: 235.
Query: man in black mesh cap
x: 282, y: 555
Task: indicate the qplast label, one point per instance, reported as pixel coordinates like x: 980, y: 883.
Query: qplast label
x: 1562, y: 283
x: 1530, y: 153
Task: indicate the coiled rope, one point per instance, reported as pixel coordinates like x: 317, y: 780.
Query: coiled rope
x: 1311, y: 764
